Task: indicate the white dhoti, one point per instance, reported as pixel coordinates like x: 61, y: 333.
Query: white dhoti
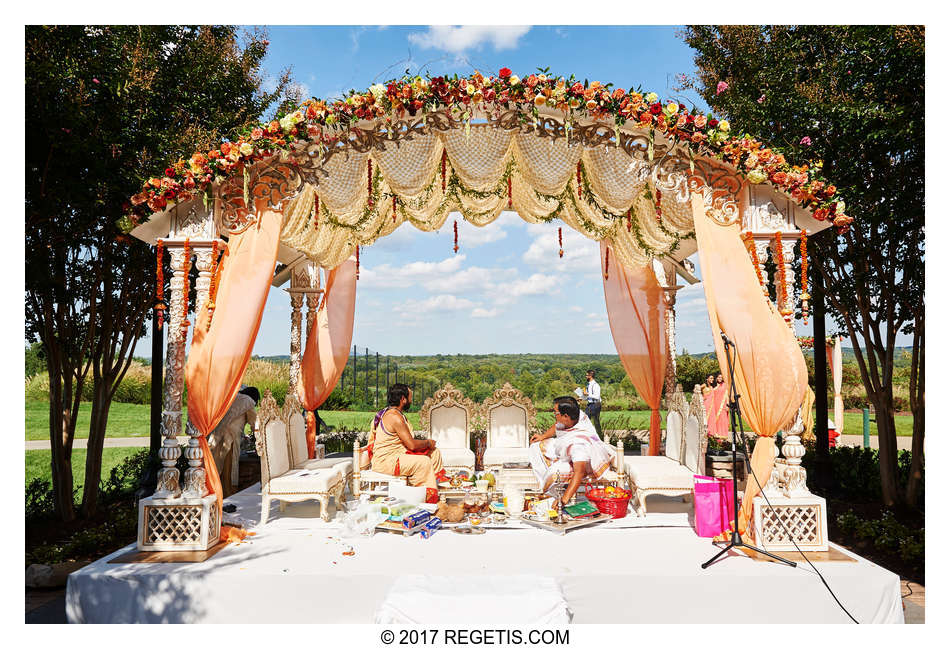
x: 552, y: 459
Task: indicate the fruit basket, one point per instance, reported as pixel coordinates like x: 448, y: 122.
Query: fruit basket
x: 610, y: 500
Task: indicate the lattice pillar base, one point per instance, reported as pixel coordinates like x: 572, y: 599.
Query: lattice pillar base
x: 175, y: 524
x: 806, y: 517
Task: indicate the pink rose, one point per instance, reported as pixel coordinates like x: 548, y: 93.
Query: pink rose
x: 806, y: 141
x: 721, y: 87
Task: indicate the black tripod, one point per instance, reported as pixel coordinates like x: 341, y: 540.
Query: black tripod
x: 735, y: 418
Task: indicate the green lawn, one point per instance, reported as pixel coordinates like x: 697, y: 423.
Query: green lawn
x: 37, y: 464
x: 125, y: 420
x: 132, y: 420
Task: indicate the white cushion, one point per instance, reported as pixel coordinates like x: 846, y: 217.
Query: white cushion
x: 448, y: 426
x: 508, y: 427
x: 653, y: 471
x: 305, y: 481
x: 674, y: 435
x: 498, y: 456
x: 691, y: 455
x: 457, y: 457
x: 297, y: 431
x: 275, y: 436
x: 346, y: 463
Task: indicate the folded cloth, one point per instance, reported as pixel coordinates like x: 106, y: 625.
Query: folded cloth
x: 508, y: 600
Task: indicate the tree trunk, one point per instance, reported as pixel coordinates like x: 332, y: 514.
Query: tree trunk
x: 887, y: 448
x: 60, y: 451
x: 917, y: 409
x: 97, y: 433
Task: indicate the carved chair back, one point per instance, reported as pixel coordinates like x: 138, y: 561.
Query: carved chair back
x: 675, y: 424
x: 694, y: 456
x: 271, y: 440
x: 510, y: 416
x: 296, y: 429
x: 446, y: 417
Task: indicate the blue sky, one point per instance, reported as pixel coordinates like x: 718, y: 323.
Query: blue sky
x: 506, y: 291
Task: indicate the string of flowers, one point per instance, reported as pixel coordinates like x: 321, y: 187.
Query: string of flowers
x: 560, y: 244
x: 805, y: 342
x: 659, y: 211
x: 607, y: 263
x: 369, y: 181
x: 328, y: 123
x: 316, y: 211
x: 357, y: 262
x: 445, y: 157
x: 394, y: 208
x: 455, y: 227
x: 509, y: 192
x: 160, y: 282
x: 213, y: 289
x: 782, y: 295
x: 803, y: 248
x: 630, y: 218
x: 579, y: 180
x: 750, y: 247
x: 185, y: 289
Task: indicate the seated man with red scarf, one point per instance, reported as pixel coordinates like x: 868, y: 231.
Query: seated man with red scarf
x: 395, y: 451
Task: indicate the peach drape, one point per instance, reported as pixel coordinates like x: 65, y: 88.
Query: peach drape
x: 219, y: 355
x: 769, y: 367
x: 636, y: 310
x: 328, y: 344
x: 833, y: 352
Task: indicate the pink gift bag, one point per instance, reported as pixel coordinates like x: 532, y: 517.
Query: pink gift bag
x: 713, y: 504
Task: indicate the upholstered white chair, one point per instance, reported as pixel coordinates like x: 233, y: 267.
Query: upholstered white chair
x: 365, y: 480
x: 509, y: 416
x: 671, y: 474
x: 446, y: 417
x: 297, y: 431
x: 279, y: 480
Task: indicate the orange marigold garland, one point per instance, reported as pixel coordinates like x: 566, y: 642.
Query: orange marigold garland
x: 803, y: 247
x: 607, y: 264
x: 316, y: 211
x: 750, y: 247
x: 187, y: 286
x: 630, y: 219
x: 394, y: 208
x: 213, y: 290
x: 579, y: 180
x: 160, y: 283
x: 455, y: 227
x: 659, y: 195
x: 445, y: 157
x: 782, y: 293
x: 509, y: 192
x: 357, y: 262
x: 560, y: 243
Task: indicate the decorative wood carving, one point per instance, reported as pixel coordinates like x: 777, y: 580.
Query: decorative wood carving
x: 697, y: 409
x: 447, y: 396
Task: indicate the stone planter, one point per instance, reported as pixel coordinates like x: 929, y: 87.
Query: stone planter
x: 719, y: 465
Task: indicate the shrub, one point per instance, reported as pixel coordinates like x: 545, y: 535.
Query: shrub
x: 856, y: 473
x: 887, y: 533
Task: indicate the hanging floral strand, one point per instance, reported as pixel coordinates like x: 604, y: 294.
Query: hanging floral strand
x: 803, y: 248
x: 607, y: 264
x: 185, y: 289
x: 509, y: 192
x: 394, y: 208
x: 455, y: 227
x: 750, y: 247
x: 579, y: 180
x: 357, y: 262
x: 659, y: 195
x: 369, y: 181
x: 445, y: 156
x: 560, y: 244
x: 782, y: 294
x: 316, y: 211
x: 213, y: 289
x: 630, y: 219
x: 160, y: 283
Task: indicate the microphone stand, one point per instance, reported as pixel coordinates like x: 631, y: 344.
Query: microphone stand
x: 735, y: 415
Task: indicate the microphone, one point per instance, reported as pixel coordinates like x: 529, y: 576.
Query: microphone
x: 725, y: 339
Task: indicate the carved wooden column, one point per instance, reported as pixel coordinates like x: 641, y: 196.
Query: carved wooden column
x: 296, y: 301
x: 670, y: 378
x: 787, y: 309
x: 304, y: 281
x: 168, y: 485
x: 762, y: 254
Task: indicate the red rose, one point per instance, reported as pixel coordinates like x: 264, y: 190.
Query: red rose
x: 490, y: 94
x: 504, y: 73
x: 531, y: 81
x: 189, y: 183
x: 170, y: 172
x: 656, y: 109
x: 713, y: 123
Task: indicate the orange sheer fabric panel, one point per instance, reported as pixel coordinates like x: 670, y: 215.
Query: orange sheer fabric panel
x: 219, y: 355
x: 636, y: 309
x: 717, y: 412
x: 328, y: 344
x: 769, y: 367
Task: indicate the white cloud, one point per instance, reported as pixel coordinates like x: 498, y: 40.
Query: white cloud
x: 434, y: 304
x: 576, y: 308
x: 581, y: 255
x: 474, y: 279
x: 386, y: 276
x: 537, y: 284
x: 458, y: 38
x: 484, y: 313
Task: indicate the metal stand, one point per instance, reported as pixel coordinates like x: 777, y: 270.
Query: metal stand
x: 735, y: 415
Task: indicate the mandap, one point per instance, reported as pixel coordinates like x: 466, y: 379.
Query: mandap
x: 295, y: 199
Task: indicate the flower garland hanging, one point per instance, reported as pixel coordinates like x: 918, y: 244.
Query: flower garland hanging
x: 327, y: 124
x: 394, y: 208
x: 369, y: 181
x: 659, y: 211
x: 509, y: 192
x: 560, y: 244
x: 579, y: 180
x: 607, y: 263
x: 750, y: 247
x: 445, y: 157
x: 803, y: 248
x: 316, y: 211
x: 185, y: 289
x: 781, y: 296
x: 213, y: 289
x: 357, y: 262
x: 160, y: 282
x: 455, y: 227
x: 630, y: 218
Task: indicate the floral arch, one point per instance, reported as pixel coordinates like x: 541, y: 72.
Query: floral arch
x: 645, y: 178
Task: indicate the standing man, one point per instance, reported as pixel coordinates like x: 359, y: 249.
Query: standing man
x: 225, y: 439
x: 592, y: 391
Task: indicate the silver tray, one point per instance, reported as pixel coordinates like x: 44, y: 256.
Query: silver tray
x: 568, y: 526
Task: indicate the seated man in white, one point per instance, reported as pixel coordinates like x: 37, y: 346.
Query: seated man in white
x: 568, y: 450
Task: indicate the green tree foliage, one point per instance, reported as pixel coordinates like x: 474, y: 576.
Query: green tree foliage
x: 852, y: 97
x: 106, y: 107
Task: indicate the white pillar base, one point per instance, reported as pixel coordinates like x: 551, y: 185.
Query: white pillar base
x: 176, y: 524
x: 806, y: 517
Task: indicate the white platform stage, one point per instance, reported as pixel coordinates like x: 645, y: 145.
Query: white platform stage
x: 294, y: 570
